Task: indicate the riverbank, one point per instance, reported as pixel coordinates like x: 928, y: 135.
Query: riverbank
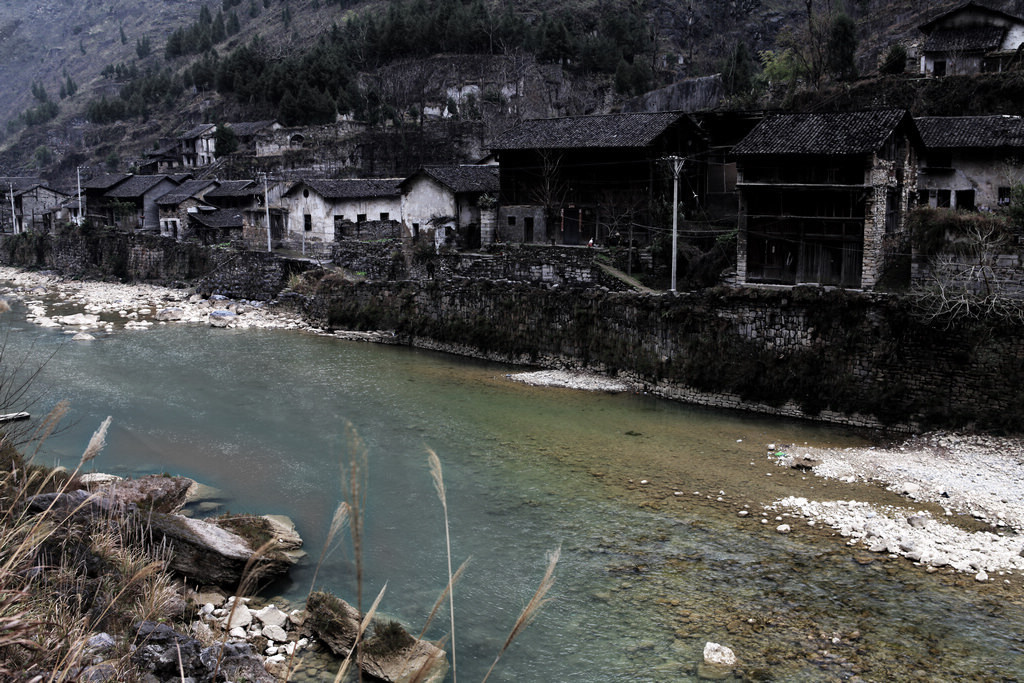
x: 970, y: 477
x: 975, y: 480
x: 108, y: 306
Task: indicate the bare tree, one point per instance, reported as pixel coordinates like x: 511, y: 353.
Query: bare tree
x: 964, y: 282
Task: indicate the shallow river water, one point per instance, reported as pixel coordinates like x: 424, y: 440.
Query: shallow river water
x: 646, y: 576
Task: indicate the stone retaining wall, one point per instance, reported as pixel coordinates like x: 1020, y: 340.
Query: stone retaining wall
x: 860, y: 359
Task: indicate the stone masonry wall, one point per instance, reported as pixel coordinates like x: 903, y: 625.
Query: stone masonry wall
x: 859, y: 359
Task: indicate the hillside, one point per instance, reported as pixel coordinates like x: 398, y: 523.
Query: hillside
x: 388, y: 61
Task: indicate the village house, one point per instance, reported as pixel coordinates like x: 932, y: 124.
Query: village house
x: 132, y: 203
x: 180, y: 203
x: 249, y: 133
x: 970, y: 39
x: 573, y: 179
x: 94, y: 192
x: 27, y: 204
x: 970, y: 162
x: 450, y: 201
x: 166, y: 157
x: 196, y: 145
x: 822, y: 196
x: 327, y: 210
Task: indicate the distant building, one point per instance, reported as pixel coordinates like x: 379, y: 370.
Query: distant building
x: 33, y: 204
x: 970, y: 162
x: 970, y: 39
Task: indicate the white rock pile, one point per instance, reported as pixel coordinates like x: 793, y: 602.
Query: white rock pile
x: 109, y: 306
x: 974, y: 475
x: 269, y: 624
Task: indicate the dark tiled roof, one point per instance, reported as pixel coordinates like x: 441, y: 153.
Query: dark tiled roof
x: 463, y: 178
x: 948, y: 132
x: 20, y: 184
x: 969, y: 6
x: 136, y: 186
x: 197, y: 131
x: 830, y: 134
x: 235, y: 188
x: 221, y: 218
x: 105, y: 181
x: 637, y: 129
x: 187, y: 190
x: 965, y: 39
x: 351, y: 188
x: 246, y: 129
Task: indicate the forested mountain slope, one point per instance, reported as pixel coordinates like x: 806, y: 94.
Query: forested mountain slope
x: 77, y: 76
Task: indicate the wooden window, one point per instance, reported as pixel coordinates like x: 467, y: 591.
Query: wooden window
x: 1004, y: 196
x: 307, y: 223
x: 384, y: 215
x: 360, y: 217
x: 511, y: 221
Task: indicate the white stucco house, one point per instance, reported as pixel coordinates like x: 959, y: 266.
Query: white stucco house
x: 447, y: 200
x: 970, y: 162
x: 329, y: 209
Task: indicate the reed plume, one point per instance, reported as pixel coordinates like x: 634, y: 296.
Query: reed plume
x: 438, y: 477
x: 538, y: 600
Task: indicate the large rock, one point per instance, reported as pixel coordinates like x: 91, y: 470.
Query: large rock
x: 718, y: 655
x: 210, y: 551
x: 154, y: 492
x: 393, y: 656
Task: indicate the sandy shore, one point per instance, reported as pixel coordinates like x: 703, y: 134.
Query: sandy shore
x: 977, y: 476
x: 106, y: 306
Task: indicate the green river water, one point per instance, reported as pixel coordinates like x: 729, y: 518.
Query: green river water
x: 646, y: 577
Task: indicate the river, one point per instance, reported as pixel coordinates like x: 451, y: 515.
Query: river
x: 649, y: 572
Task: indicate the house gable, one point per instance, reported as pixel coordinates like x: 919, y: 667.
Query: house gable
x: 969, y: 39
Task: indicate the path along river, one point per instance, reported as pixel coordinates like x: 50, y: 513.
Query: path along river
x: 649, y: 572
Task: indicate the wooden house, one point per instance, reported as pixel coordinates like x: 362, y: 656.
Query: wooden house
x: 132, y: 203
x: 572, y: 179
x: 970, y: 38
x: 822, y: 196
x: 970, y: 162
x: 448, y: 199
x: 330, y: 209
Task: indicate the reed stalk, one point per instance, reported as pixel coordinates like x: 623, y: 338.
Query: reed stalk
x: 438, y: 477
x: 538, y: 600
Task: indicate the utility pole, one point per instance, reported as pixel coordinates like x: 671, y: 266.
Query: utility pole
x: 266, y: 205
x: 677, y: 166
x: 14, y: 216
x: 81, y: 216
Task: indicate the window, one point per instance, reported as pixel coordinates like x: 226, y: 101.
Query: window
x: 940, y: 67
x: 511, y: 221
x: 307, y: 223
x: 942, y: 199
x: 339, y: 226
x: 1004, y: 196
x: 965, y: 200
x: 360, y: 217
x: 384, y: 215
x: 922, y: 197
